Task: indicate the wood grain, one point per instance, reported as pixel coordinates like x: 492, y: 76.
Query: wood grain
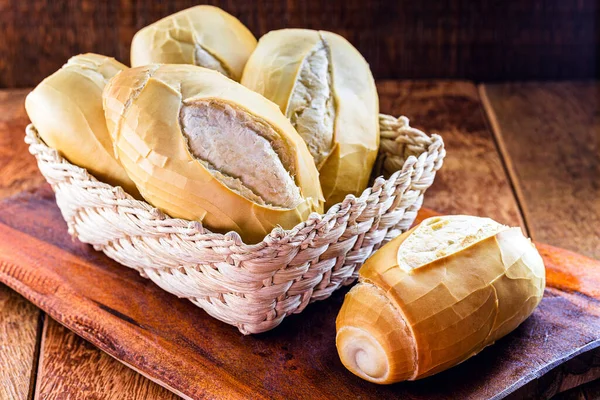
x: 64, y: 354
x: 18, y: 169
x: 472, y: 180
x: 589, y: 391
x: 551, y: 134
x: 19, y: 319
x: 454, y: 39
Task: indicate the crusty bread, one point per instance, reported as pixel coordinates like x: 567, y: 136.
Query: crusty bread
x: 66, y: 110
x: 437, y: 295
x: 204, y: 35
x: 203, y: 147
x: 325, y: 88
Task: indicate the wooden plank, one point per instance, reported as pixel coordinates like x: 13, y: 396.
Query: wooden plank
x: 19, y: 319
x: 589, y: 391
x: 453, y: 39
x: 472, y: 180
x: 72, y: 367
x: 551, y: 134
x: 462, y: 125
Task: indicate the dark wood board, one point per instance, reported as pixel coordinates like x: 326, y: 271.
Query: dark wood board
x: 401, y: 39
x: 179, y: 346
x: 450, y: 108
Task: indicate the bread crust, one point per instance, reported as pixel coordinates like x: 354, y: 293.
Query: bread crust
x: 144, y: 106
x: 275, y: 70
x: 66, y: 109
x: 203, y: 35
x: 454, y: 305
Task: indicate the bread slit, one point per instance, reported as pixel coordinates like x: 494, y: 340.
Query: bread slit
x: 436, y: 238
x: 204, y: 58
x: 244, y: 153
x: 311, y: 107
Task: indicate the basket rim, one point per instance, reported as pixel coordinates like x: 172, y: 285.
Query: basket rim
x: 278, y: 236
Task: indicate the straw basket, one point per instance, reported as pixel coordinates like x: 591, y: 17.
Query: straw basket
x: 250, y: 286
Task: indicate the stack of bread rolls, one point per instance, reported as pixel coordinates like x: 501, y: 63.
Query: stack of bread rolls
x: 299, y: 134
x: 244, y: 135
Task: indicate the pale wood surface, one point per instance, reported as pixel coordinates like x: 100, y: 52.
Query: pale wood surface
x: 19, y: 321
x: 473, y: 181
x: 589, y: 391
x: 18, y: 170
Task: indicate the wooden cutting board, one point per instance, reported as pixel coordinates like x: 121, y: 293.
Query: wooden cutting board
x: 180, y: 347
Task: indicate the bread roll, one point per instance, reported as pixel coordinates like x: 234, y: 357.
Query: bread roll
x: 325, y: 87
x: 66, y: 110
x: 205, y: 36
x: 203, y: 147
x: 437, y: 295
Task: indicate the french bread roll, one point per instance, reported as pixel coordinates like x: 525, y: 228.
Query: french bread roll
x: 437, y: 295
x: 202, y: 147
x: 204, y: 35
x: 66, y: 109
x: 325, y: 88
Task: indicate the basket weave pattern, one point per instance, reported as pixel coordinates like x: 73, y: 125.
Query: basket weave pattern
x: 250, y: 286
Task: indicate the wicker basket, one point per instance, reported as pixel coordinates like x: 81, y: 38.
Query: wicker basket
x: 250, y: 286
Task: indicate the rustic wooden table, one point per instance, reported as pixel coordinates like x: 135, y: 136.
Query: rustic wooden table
x: 524, y: 153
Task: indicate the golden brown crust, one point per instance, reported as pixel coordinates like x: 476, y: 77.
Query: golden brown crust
x: 376, y: 344
x: 203, y: 35
x: 66, y: 109
x: 144, y: 106
x: 274, y: 71
x: 457, y: 304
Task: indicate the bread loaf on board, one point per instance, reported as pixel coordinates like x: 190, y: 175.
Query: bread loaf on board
x: 66, y: 109
x: 204, y: 35
x: 325, y: 87
x: 203, y: 147
x: 437, y: 295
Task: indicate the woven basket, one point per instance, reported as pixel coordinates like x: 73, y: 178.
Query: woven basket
x: 250, y: 286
